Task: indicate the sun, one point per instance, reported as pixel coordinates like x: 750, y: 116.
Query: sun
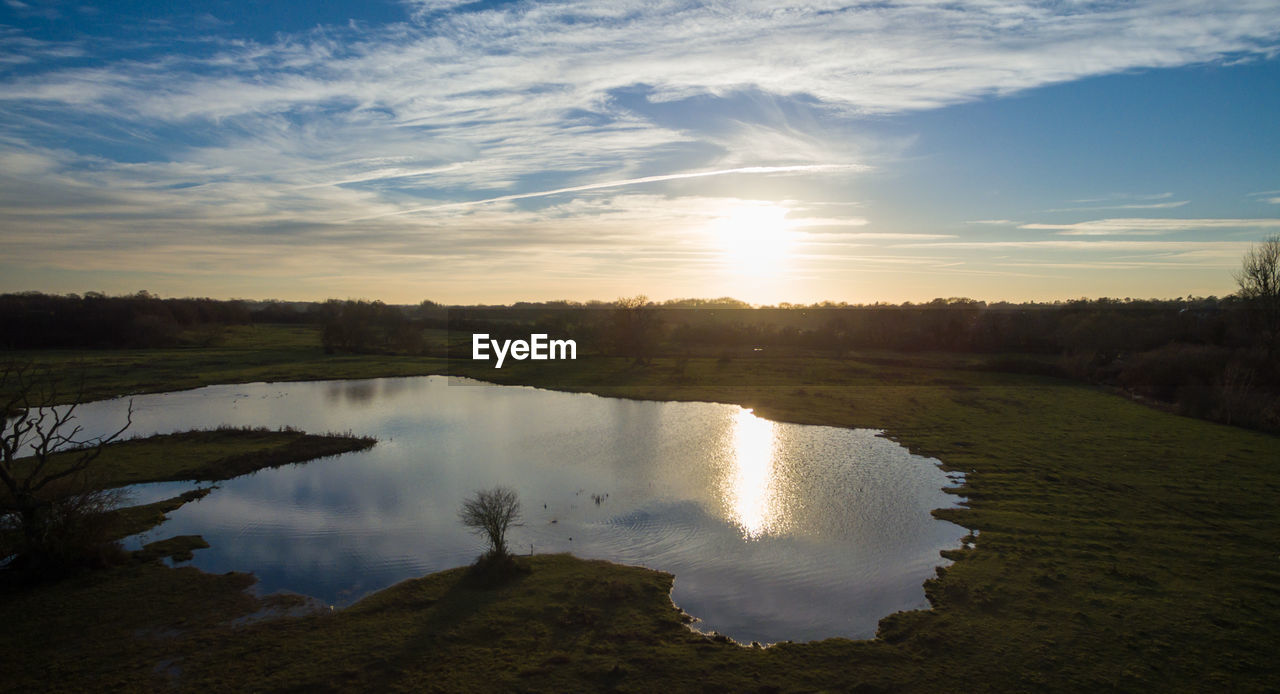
x: 754, y: 238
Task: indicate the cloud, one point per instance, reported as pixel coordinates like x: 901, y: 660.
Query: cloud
x: 1217, y: 249
x: 456, y: 133
x: 1149, y: 226
x: 19, y: 50
x: 893, y: 236
x: 420, y: 10
x: 1173, y: 263
x: 24, y: 8
x: 813, y: 168
x: 1114, y: 197
x: 865, y: 57
x: 384, y: 175
x: 1126, y: 206
x: 64, y: 216
x: 504, y: 82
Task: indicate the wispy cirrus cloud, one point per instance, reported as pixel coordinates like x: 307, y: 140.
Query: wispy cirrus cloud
x: 1268, y: 196
x: 1098, y: 253
x: 1118, y: 198
x: 1150, y: 226
x: 1125, y: 206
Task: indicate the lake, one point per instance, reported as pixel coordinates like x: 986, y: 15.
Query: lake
x: 773, y: 531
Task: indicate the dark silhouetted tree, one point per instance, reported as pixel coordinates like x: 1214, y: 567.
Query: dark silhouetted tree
x: 1259, y: 280
x: 491, y: 512
x: 52, y: 514
x: 635, y: 329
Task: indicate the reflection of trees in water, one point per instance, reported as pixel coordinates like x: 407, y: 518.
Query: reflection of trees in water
x: 354, y: 392
x: 395, y: 386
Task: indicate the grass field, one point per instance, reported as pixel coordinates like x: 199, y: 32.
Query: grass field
x: 244, y: 354
x: 1120, y: 548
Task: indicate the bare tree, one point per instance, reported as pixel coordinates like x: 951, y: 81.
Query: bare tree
x: 634, y: 329
x: 490, y: 513
x: 1259, y: 280
x: 46, y: 501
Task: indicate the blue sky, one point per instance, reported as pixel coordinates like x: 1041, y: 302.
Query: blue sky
x: 503, y: 151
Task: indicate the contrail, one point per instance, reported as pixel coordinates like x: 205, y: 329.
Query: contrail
x: 620, y: 183
x: 378, y: 176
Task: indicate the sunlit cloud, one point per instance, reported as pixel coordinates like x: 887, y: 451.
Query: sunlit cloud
x: 1221, y: 248
x: 1172, y: 263
x: 1148, y: 226
x: 1127, y: 206
x: 890, y: 236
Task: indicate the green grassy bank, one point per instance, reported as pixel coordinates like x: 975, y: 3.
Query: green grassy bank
x: 214, y: 454
x: 1121, y: 548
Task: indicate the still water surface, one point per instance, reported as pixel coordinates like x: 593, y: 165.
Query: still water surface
x: 773, y: 531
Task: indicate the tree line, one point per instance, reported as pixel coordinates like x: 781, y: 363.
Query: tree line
x: 1210, y: 357
x: 33, y: 320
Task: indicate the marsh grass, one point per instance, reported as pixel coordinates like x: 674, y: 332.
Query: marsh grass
x: 211, y: 454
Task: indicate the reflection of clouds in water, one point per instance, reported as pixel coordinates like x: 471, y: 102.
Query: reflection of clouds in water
x: 776, y: 584
x: 838, y: 519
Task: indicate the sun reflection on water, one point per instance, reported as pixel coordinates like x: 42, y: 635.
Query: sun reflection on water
x: 751, y: 495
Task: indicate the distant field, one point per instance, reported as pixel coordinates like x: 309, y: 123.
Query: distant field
x: 1119, y: 547
x: 244, y: 354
